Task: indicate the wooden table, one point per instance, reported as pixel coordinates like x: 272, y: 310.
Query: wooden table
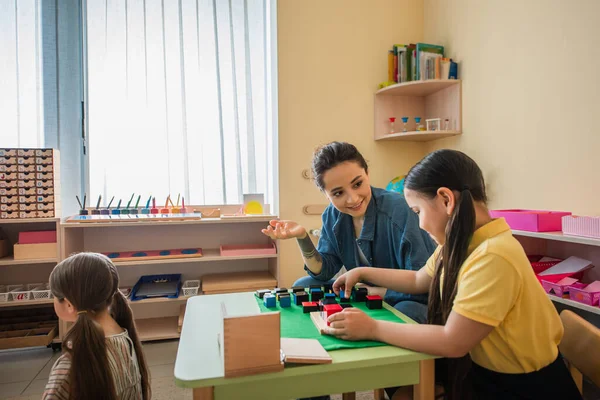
x: 199, y: 363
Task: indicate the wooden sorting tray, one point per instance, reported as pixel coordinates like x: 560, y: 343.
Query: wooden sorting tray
x: 28, y: 337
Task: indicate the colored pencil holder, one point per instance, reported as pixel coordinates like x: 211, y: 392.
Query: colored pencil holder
x: 145, y: 211
x: 175, y: 210
x: 125, y: 211
x: 116, y: 211
x: 165, y: 210
x: 95, y: 212
x: 134, y: 211
x: 105, y: 211
x: 154, y: 211
x: 83, y: 212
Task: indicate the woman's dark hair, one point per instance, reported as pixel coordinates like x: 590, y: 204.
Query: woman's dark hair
x: 91, y: 283
x: 332, y: 154
x: 458, y: 172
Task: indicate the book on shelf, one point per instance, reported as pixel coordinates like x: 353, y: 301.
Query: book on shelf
x: 420, y: 61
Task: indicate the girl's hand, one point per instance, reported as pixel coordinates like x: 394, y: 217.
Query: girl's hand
x: 284, y: 229
x: 346, y: 282
x: 352, y: 324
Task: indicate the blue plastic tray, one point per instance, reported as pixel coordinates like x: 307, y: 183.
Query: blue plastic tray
x: 149, y: 286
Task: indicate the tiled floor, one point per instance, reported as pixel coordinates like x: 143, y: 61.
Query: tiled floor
x: 24, y: 373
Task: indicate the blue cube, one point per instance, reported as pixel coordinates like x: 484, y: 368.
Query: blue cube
x: 285, y: 301
x: 330, y: 296
x: 269, y: 300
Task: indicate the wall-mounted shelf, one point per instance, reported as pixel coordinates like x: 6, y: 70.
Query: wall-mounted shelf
x: 418, y: 136
x: 437, y: 98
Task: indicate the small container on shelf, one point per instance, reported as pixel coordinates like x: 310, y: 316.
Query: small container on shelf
x: 559, y: 288
x: 586, y: 293
x: 4, y: 294
x: 531, y: 220
x: 20, y: 293
x: 190, y: 287
x: 149, y: 286
x: 581, y: 226
x: 42, y: 292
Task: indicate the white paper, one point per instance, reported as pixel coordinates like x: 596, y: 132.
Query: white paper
x: 570, y: 265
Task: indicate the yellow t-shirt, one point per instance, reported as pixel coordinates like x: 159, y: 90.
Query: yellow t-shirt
x: 497, y: 287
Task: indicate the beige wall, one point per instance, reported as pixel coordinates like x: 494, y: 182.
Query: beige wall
x: 531, y: 96
x: 332, y: 54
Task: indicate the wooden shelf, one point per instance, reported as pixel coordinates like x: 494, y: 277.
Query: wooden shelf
x: 24, y: 303
x: 419, y: 136
x: 228, y: 220
x: 157, y: 328
x: 180, y: 299
x: 418, y: 88
x: 10, y: 260
x: 28, y: 220
x: 558, y: 236
x: 575, y: 304
x: 209, y: 255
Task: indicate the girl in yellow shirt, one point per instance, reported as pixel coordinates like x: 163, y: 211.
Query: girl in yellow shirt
x: 487, y: 313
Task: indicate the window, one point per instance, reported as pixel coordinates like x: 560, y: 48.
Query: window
x: 179, y: 99
x: 21, y: 109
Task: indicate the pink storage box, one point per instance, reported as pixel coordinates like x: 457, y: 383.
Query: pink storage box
x: 587, y: 294
x: 581, y: 226
x: 35, y: 237
x: 531, y: 220
x: 248, y: 250
x: 558, y: 288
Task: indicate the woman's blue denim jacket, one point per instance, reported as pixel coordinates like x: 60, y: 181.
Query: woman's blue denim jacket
x: 390, y: 238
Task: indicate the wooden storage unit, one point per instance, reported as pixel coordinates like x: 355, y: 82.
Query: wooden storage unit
x: 157, y: 318
x: 29, y: 183
x: 426, y: 99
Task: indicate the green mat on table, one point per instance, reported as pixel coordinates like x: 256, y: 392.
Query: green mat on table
x: 296, y: 324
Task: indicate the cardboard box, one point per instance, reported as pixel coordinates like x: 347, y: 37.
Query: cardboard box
x: 34, y: 251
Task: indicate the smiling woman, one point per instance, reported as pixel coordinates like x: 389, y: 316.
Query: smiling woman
x: 362, y: 226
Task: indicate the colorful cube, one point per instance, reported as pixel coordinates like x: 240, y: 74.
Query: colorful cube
x: 269, y: 300
x: 374, y: 302
x: 309, y: 306
x: 328, y: 300
x: 328, y: 288
x: 346, y: 305
x: 261, y: 293
x: 344, y: 299
x: 297, y: 289
x: 280, y: 290
x: 315, y: 287
x: 300, y: 297
x: 316, y: 294
x: 360, y: 294
x: 285, y: 300
x: 329, y: 310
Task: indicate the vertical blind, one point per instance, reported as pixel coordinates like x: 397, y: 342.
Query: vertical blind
x: 21, y: 101
x: 179, y: 99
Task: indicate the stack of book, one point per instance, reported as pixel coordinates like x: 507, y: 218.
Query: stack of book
x: 421, y: 61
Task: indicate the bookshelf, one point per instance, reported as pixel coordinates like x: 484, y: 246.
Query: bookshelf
x: 435, y: 98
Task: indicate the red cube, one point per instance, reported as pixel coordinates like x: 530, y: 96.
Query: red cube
x: 329, y: 310
x: 374, y: 302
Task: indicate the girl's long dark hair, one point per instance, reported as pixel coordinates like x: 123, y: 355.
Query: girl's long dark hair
x: 458, y: 172
x: 90, y: 282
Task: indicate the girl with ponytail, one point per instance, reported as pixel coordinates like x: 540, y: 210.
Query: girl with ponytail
x: 487, y: 313
x: 103, y: 358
